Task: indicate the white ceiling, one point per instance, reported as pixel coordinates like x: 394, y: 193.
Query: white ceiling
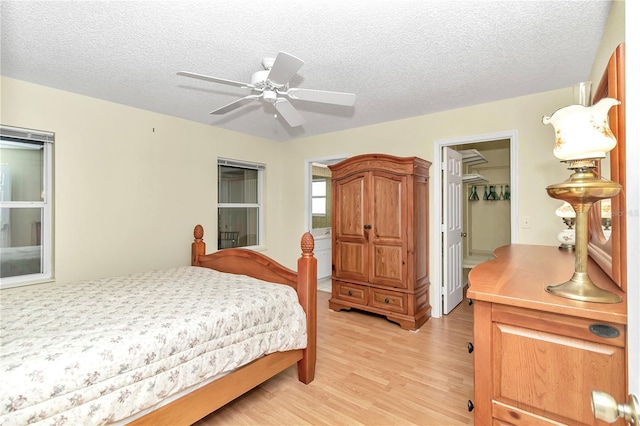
x: 402, y: 58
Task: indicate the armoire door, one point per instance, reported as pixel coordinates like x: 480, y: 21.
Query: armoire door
x: 349, y: 221
x: 387, y: 235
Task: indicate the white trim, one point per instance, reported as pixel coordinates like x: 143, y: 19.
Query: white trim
x: 259, y: 205
x: 632, y: 10
x: 308, y: 163
x: 240, y: 164
x: 26, y: 134
x: 512, y: 135
x: 45, y: 140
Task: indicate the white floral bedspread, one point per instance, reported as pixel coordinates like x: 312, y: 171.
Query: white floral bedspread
x: 99, y: 351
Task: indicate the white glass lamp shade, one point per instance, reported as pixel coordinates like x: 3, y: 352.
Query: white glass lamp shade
x: 582, y: 132
x: 565, y: 211
x: 567, y: 237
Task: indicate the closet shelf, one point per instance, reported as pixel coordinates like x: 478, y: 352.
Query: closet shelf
x: 474, y: 178
x: 472, y: 156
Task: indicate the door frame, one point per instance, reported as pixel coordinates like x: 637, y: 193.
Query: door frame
x: 327, y: 160
x: 512, y: 135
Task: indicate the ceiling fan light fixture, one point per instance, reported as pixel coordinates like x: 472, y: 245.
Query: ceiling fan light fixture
x: 267, y: 63
x: 259, y: 78
x: 270, y: 96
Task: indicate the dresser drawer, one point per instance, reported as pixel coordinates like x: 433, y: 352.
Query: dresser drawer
x: 350, y: 292
x: 388, y: 300
x: 579, y: 328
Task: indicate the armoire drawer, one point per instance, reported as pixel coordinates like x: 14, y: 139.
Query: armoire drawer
x: 388, y: 300
x: 353, y: 293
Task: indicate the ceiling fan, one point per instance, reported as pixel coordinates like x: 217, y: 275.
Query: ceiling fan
x: 272, y: 85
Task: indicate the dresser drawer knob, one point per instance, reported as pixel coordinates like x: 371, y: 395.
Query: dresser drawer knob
x: 470, y: 347
x: 470, y: 405
x: 350, y: 293
x: 386, y: 300
x: 470, y: 302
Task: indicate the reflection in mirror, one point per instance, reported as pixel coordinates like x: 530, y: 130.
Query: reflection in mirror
x: 607, y: 247
x: 567, y: 237
x: 602, y: 210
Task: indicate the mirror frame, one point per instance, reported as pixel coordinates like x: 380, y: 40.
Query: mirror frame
x: 611, y: 254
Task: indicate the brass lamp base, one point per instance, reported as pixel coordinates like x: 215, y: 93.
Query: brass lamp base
x: 580, y: 287
x: 581, y: 190
x: 567, y: 247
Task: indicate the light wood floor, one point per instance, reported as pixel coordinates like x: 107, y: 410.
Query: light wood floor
x: 370, y: 372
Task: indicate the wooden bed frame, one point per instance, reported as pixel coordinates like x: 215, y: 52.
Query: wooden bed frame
x: 205, y: 400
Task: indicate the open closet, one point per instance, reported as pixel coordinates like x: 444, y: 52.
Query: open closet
x: 486, y: 210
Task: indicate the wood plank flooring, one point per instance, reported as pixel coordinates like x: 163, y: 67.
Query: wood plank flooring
x: 369, y: 372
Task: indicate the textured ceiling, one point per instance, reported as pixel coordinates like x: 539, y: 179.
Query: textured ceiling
x: 402, y: 58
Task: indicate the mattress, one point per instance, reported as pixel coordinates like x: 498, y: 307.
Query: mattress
x: 99, y: 351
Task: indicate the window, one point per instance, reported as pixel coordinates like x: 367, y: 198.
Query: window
x: 25, y: 206
x: 239, y: 203
x: 319, y: 197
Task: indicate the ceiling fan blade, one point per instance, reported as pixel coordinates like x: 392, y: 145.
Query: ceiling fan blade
x: 336, y: 98
x: 284, y: 68
x: 288, y: 112
x: 215, y: 79
x: 236, y: 104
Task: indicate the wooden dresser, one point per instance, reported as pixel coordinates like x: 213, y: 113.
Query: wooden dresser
x: 537, y: 356
x: 380, y: 247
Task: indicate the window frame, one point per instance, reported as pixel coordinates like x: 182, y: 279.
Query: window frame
x: 46, y: 139
x: 259, y: 205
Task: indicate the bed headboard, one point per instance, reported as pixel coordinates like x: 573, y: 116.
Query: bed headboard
x: 246, y: 262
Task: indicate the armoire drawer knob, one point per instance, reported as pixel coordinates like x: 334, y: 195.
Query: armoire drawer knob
x: 386, y: 300
x: 470, y: 405
x: 470, y: 302
x: 470, y: 347
x: 350, y: 293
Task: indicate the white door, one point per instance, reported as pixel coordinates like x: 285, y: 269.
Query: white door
x: 452, y: 229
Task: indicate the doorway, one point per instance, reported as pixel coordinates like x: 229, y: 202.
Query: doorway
x: 478, y: 215
x: 318, y: 209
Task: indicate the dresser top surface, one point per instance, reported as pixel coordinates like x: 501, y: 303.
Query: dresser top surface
x: 520, y: 273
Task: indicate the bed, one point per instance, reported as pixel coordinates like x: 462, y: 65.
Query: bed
x: 160, y: 348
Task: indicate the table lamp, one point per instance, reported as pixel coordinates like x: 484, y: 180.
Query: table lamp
x: 582, y: 137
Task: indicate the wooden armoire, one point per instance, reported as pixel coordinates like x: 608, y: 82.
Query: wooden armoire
x: 380, y: 242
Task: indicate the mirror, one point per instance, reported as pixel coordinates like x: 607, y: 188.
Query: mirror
x: 611, y: 253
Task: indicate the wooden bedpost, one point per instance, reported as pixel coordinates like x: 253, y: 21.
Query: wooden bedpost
x: 198, y: 247
x: 307, y: 295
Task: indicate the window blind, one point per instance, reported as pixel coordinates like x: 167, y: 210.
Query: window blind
x: 240, y: 164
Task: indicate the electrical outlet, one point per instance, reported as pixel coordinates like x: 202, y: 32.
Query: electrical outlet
x: 526, y: 222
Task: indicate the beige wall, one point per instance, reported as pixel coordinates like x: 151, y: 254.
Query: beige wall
x: 128, y: 180
x: 131, y: 184
x: 537, y: 167
x: 614, y: 34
